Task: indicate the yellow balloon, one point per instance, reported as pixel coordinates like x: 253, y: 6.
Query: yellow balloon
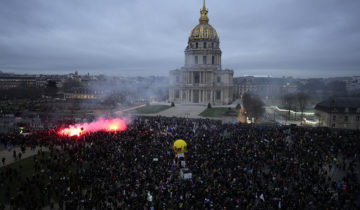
x: 180, y: 146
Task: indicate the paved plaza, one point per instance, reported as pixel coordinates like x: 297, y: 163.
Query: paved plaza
x: 184, y: 110
x: 7, y: 153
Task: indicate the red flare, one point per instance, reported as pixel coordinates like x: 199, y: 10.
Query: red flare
x: 109, y: 125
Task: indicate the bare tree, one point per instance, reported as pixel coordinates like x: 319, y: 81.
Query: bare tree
x: 51, y: 88
x: 289, y: 101
x: 303, y: 100
x: 253, y: 105
x: 246, y: 101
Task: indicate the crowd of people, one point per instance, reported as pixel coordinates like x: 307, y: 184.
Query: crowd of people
x: 233, y: 166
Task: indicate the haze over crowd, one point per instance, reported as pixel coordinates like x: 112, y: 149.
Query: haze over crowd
x: 279, y: 38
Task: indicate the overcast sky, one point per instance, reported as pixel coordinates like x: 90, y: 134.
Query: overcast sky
x: 300, y: 38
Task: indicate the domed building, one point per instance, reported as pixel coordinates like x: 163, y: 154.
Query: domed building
x: 201, y: 79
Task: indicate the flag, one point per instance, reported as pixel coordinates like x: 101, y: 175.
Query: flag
x: 262, y: 197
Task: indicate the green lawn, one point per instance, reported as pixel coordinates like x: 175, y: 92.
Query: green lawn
x: 214, y: 112
x: 152, y: 109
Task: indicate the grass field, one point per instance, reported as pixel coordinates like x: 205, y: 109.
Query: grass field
x: 152, y: 109
x: 214, y: 112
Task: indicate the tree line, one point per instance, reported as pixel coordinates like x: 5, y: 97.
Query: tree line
x: 295, y: 101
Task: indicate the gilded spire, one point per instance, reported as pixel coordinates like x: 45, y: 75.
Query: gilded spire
x: 203, y: 14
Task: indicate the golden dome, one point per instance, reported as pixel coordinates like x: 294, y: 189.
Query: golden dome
x: 204, y: 30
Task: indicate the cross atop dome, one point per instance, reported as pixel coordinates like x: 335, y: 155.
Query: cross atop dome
x: 203, y: 14
x: 204, y: 30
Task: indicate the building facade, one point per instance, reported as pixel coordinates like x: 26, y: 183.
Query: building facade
x: 339, y: 113
x: 201, y: 79
x: 265, y: 87
x: 21, y: 81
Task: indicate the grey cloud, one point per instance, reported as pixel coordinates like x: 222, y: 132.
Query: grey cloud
x: 141, y: 37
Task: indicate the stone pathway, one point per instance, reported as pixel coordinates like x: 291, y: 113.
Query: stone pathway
x: 183, y: 110
x: 10, y: 158
x: 192, y: 111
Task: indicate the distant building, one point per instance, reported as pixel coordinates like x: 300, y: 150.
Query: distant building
x: 265, y: 87
x: 339, y: 113
x: 9, y: 81
x: 81, y: 93
x: 353, y: 84
x: 202, y: 80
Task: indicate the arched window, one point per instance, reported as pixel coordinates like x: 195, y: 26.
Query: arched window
x: 204, y: 44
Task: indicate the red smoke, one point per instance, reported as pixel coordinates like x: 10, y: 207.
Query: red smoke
x: 110, y: 125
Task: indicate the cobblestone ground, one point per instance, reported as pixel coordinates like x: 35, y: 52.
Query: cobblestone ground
x: 8, y: 154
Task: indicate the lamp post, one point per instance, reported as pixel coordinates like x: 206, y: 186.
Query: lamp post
x: 274, y: 115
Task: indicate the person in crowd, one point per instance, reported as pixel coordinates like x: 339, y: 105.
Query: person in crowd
x: 233, y: 166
